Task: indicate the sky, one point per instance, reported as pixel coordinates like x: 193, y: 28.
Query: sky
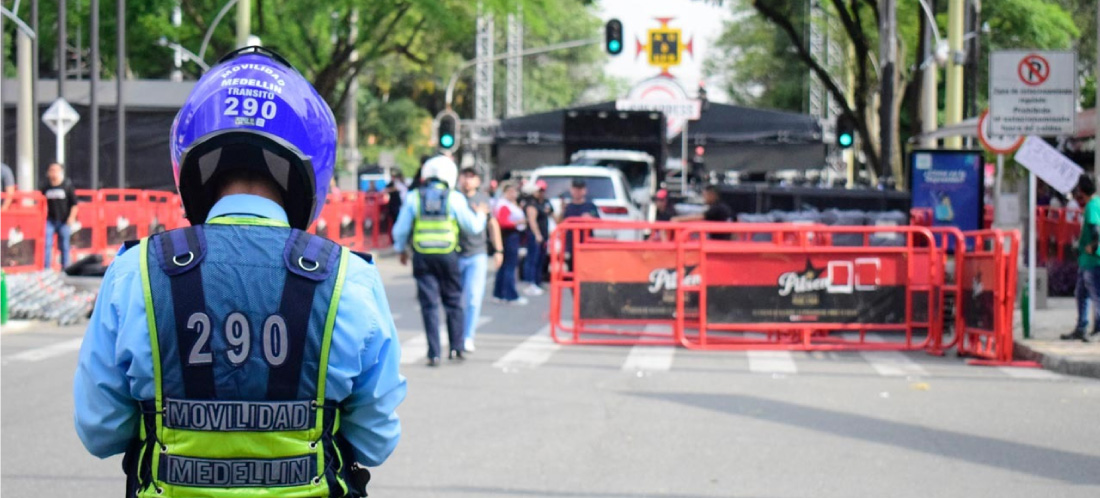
x: 700, y: 21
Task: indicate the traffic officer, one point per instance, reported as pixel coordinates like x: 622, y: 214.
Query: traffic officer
x: 242, y: 356
x: 433, y: 215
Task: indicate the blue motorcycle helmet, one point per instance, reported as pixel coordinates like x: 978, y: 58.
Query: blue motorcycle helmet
x: 254, y: 114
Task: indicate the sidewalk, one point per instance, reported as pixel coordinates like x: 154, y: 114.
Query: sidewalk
x: 1044, y: 346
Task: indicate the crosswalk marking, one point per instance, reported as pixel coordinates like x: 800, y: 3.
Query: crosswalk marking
x: 892, y: 364
x: 46, y: 352
x: 532, y: 352
x: 414, y: 350
x: 1030, y: 373
x: 781, y: 362
x: 649, y: 359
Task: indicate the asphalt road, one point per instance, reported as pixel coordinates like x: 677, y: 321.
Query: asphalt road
x: 525, y: 417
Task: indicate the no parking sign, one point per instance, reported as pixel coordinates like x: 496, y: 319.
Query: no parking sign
x: 1032, y: 93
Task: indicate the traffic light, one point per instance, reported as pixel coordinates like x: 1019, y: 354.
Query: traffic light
x: 446, y: 130
x: 845, y: 131
x: 613, y: 37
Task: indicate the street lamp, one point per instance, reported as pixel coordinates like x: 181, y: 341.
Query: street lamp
x: 187, y: 54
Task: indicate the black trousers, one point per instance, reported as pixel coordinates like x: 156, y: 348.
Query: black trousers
x: 438, y: 280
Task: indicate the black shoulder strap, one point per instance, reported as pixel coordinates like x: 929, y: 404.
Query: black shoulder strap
x: 180, y: 250
x: 311, y: 256
x: 309, y: 260
x: 180, y: 253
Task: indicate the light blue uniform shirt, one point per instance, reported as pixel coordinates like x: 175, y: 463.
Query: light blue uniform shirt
x: 457, y: 206
x: 116, y: 362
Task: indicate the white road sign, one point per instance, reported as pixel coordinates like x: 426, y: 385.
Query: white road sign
x: 60, y: 117
x: 1047, y: 163
x: 1032, y: 93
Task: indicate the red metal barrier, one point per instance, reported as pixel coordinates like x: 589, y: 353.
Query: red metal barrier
x: 989, y: 287
x: 337, y: 220
x: 813, y: 288
x: 369, y: 211
x: 634, y: 271
x: 167, y: 211
x: 810, y: 296
x: 1056, y: 231
x: 23, y: 232
x: 107, y: 218
x: 126, y: 215
x: 952, y: 244
x: 88, y: 234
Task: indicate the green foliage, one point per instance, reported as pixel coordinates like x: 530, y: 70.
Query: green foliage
x: 758, y: 63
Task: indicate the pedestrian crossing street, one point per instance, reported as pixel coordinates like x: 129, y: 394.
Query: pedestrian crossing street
x: 517, y: 352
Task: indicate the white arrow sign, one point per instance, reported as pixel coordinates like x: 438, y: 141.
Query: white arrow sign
x: 60, y: 117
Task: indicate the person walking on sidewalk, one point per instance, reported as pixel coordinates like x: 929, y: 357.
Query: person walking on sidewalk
x: 1088, y: 261
x: 434, y: 214
x: 61, y: 212
x: 473, y: 259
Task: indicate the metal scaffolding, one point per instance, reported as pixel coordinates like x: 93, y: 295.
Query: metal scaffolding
x: 513, y: 95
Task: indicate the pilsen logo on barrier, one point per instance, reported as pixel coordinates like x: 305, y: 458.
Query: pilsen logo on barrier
x: 809, y: 280
x: 665, y: 278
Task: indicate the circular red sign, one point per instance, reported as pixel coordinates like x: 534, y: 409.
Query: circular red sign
x: 1033, y: 70
x: 999, y: 144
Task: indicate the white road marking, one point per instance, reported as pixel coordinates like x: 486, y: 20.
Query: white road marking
x: 772, y: 362
x: 481, y: 321
x: 46, y: 352
x: 649, y: 359
x: 415, y: 349
x: 532, y: 352
x: 1030, y: 373
x: 893, y: 364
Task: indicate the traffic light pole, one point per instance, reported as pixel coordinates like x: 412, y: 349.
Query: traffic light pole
x: 534, y: 51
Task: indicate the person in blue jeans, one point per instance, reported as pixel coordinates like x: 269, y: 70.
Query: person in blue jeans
x: 473, y: 257
x: 61, y: 212
x: 1088, y: 261
x: 538, y: 211
x: 512, y: 224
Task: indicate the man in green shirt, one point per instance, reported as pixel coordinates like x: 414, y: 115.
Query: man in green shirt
x: 1088, y: 262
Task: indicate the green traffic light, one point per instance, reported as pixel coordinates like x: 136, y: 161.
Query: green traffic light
x: 447, y: 141
x: 614, y: 46
x: 845, y: 140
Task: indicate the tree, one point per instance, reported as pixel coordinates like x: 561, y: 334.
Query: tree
x: 755, y: 60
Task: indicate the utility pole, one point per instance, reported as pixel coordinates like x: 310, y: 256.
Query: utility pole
x: 953, y: 110
x: 244, y: 22
x: 34, y: 78
x: 177, y: 20
x: 62, y: 46
x: 351, y: 107
x: 929, y: 96
x: 120, y: 101
x: 93, y: 90
x: 24, y: 145
x: 888, y: 49
x: 973, y: 28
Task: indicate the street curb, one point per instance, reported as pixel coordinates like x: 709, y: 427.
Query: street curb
x: 17, y: 326
x: 1058, y: 363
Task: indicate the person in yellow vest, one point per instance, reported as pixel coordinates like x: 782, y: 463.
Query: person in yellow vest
x: 243, y: 356
x: 429, y: 222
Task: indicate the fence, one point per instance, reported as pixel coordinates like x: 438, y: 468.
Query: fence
x: 107, y: 218
x: 782, y: 286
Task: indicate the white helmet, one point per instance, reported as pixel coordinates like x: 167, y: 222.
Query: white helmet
x: 442, y: 168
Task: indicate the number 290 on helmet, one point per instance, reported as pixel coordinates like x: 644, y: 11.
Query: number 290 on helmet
x: 253, y: 113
